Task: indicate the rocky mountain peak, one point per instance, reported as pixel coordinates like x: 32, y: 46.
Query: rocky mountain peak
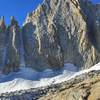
x: 13, y: 21
x: 2, y: 24
x: 57, y: 32
x: 72, y: 23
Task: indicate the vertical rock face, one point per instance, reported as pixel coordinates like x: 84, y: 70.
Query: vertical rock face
x: 63, y: 32
x: 13, y: 46
x: 57, y: 32
x: 3, y: 35
x: 42, y: 49
x: 97, y: 26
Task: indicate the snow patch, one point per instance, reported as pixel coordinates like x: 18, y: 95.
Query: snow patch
x: 28, y: 78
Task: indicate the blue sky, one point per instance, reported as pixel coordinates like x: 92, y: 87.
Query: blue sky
x: 19, y: 8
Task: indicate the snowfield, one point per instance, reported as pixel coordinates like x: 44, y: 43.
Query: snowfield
x: 27, y: 78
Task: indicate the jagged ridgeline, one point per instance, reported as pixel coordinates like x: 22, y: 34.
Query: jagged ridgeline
x: 57, y: 32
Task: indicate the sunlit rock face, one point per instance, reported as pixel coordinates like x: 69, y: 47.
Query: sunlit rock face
x: 57, y: 32
x: 64, y: 32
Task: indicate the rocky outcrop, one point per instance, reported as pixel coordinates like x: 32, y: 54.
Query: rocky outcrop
x: 88, y: 89
x: 57, y: 32
x: 82, y: 87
